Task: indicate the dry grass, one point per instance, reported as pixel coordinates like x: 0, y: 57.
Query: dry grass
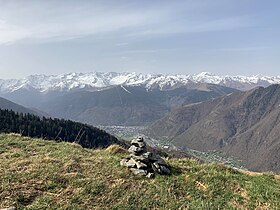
x: 116, y: 149
x: 37, y: 174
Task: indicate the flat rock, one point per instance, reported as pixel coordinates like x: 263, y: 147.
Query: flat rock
x: 137, y: 171
x: 128, y: 163
x: 124, y: 161
x: 137, y: 143
x: 139, y: 158
x: 164, y: 170
x: 147, y: 155
x: 141, y: 165
x: 135, y: 150
x: 161, y: 169
x: 160, y: 161
x: 154, y: 157
x: 150, y: 175
x: 156, y: 165
x: 140, y: 139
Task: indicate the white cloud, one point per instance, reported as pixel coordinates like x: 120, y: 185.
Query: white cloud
x: 222, y: 24
x: 121, y: 44
x: 61, y: 20
x: 10, y: 33
x: 143, y: 51
x: 52, y: 21
x: 239, y: 49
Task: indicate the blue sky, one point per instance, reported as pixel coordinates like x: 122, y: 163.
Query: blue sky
x: 159, y: 36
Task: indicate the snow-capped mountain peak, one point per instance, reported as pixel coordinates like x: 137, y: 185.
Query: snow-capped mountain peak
x: 207, y: 77
x: 70, y: 81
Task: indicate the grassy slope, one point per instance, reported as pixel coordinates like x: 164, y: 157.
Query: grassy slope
x: 37, y: 174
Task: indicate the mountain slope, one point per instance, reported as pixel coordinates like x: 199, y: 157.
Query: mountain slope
x: 6, y: 104
x: 122, y: 105
x: 38, y: 174
x: 244, y: 125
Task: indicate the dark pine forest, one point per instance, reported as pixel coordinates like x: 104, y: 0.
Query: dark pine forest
x: 54, y: 129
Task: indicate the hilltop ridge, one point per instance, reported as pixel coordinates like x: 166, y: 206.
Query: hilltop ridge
x: 40, y: 174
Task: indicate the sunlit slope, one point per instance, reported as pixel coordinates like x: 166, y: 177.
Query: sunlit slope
x: 40, y: 174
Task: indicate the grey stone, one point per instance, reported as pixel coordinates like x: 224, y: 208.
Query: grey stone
x: 137, y: 171
x: 156, y: 168
x: 141, y: 165
x: 154, y: 157
x: 164, y: 170
x: 147, y: 155
x: 139, y: 158
x: 128, y: 163
x: 141, y: 162
x: 150, y: 175
x: 131, y: 163
x: 137, y: 143
x: 135, y: 150
x: 161, y: 169
x: 160, y: 161
x: 124, y: 161
x: 140, y: 139
x: 156, y: 165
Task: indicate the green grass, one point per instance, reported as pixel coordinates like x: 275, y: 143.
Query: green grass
x: 38, y: 174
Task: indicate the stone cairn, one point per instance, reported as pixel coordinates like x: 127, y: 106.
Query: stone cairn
x: 141, y: 162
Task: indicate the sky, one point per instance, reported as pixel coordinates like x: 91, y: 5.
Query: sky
x: 224, y: 37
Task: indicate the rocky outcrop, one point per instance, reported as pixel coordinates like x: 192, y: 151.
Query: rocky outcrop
x: 144, y: 163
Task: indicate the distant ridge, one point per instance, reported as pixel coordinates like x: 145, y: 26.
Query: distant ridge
x: 126, y: 105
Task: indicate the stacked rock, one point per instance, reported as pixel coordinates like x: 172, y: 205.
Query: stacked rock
x: 141, y: 162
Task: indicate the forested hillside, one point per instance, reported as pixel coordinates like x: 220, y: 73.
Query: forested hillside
x: 54, y: 129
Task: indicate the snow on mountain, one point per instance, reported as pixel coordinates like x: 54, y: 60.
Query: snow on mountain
x: 66, y: 82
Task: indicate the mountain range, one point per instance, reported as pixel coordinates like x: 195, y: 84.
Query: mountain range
x: 131, y: 105
x: 121, y: 98
x: 244, y: 125
x: 99, y: 80
x: 116, y: 105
